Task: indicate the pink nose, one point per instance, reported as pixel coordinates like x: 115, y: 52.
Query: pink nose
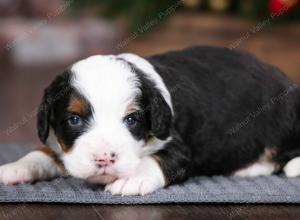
x: 105, y: 159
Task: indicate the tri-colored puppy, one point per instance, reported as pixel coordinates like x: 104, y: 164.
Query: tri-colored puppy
x: 138, y: 124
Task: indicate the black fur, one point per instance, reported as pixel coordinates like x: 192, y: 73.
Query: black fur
x: 66, y: 133
x: 157, y: 111
x: 140, y: 128
x: 58, y: 89
x: 53, y: 112
x: 228, y: 108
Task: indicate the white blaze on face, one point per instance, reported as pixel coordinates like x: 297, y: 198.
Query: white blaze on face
x: 109, y: 86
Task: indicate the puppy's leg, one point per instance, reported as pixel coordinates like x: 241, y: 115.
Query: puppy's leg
x: 292, y: 168
x: 257, y: 169
x: 41, y: 164
x: 161, y: 169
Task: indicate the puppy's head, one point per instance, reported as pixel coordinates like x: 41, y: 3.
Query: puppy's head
x: 105, y: 114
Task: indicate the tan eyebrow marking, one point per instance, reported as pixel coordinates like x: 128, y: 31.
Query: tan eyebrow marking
x: 132, y: 107
x: 78, y: 105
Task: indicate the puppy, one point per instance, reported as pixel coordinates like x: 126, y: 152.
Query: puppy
x: 139, y: 124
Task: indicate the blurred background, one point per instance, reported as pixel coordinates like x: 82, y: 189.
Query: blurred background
x: 40, y: 38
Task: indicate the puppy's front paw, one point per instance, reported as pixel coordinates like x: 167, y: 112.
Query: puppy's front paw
x: 14, y: 173
x: 134, y: 185
x: 147, y: 178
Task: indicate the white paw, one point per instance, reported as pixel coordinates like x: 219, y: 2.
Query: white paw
x: 148, y: 178
x: 256, y: 169
x: 135, y: 185
x: 292, y: 168
x: 14, y: 173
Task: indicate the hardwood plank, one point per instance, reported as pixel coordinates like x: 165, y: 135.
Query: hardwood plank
x: 47, y: 211
x: 149, y: 212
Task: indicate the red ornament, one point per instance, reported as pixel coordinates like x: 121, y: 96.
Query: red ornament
x: 281, y: 7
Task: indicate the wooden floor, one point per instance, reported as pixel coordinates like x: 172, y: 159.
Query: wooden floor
x: 149, y: 212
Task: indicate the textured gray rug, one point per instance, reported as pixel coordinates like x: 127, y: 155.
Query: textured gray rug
x: 218, y: 189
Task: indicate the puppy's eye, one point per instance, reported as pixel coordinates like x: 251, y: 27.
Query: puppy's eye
x: 130, y: 121
x: 75, y: 120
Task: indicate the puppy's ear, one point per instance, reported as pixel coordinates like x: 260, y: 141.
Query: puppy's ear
x: 161, y: 116
x: 57, y: 89
x: 43, y: 117
x: 158, y: 112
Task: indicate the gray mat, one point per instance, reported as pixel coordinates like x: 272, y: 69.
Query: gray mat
x: 218, y: 189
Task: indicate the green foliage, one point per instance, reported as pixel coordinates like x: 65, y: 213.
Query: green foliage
x: 138, y: 12
x: 254, y: 8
